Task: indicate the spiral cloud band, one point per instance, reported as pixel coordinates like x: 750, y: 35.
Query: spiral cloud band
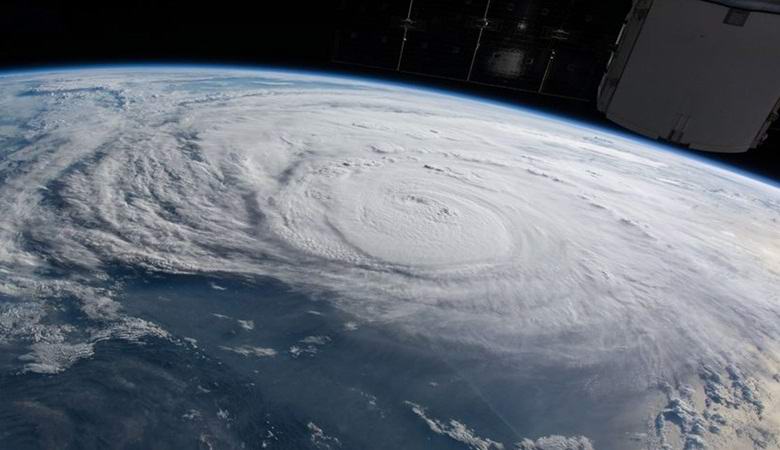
x: 447, y: 218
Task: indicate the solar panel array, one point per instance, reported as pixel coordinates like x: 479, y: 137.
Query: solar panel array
x: 553, y: 47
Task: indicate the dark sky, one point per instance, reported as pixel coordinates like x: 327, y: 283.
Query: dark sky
x: 284, y: 33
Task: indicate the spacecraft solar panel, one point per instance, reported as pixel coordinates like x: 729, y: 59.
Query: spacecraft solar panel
x: 554, y: 47
x: 370, y: 32
x: 442, y: 39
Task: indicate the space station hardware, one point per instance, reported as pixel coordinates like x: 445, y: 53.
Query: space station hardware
x: 539, y: 47
x: 701, y: 74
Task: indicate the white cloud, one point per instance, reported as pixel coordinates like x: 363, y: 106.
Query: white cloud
x: 483, y: 231
x: 248, y: 350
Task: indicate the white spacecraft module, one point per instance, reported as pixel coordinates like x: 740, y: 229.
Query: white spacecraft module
x: 702, y: 74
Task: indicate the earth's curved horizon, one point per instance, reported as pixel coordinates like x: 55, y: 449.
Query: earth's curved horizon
x: 249, y: 258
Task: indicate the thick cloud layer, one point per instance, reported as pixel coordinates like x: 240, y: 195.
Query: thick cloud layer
x: 445, y: 217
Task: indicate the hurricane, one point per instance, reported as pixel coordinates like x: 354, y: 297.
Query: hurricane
x: 539, y: 240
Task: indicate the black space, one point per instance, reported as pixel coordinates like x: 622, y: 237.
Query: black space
x: 281, y: 33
